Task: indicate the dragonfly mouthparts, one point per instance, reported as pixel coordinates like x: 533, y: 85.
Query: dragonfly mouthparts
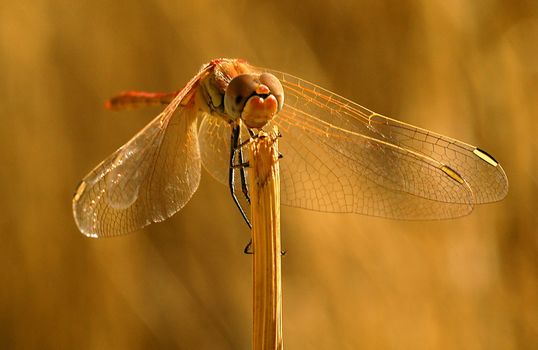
x: 258, y: 111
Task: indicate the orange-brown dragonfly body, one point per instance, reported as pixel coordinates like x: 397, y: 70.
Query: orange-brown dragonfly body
x: 338, y: 155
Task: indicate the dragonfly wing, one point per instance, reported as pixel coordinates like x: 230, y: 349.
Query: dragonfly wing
x: 214, y: 134
x: 333, y: 170
x: 147, y: 180
x: 481, y: 171
x: 342, y: 157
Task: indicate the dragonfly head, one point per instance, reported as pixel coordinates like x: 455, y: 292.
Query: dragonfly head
x: 255, y: 98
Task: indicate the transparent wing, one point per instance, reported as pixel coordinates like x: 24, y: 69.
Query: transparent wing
x: 215, y: 137
x: 341, y: 157
x: 214, y: 134
x: 147, y: 180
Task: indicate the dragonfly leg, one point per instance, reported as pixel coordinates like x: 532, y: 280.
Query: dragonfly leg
x: 241, y: 166
x: 244, y: 185
x: 244, y: 143
x: 237, y: 149
x: 248, y: 248
x: 231, y: 182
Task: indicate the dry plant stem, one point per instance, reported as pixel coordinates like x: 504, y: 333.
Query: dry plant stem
x: 264, y: 180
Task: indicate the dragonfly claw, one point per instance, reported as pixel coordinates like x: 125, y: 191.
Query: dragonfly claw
x: 248, y: 248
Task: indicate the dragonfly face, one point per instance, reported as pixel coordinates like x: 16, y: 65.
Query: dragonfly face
x: 338, y: 156
x: 255, y: 98
x: 235, y: 90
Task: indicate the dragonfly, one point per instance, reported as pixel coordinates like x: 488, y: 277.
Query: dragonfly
x: 338, y: 156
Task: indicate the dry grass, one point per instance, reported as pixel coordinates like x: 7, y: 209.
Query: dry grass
x: 466, y: 69
x: 264, y: 189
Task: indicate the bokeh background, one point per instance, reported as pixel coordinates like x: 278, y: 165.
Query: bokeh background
x: 468, y: 69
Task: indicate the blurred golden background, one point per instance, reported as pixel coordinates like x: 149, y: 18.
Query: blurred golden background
x: 467, y: 69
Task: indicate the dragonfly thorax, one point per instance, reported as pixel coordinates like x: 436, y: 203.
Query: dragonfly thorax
x: 211, y: 94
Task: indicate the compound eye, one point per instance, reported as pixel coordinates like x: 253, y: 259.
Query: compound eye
x: 274, y: 86
x: 239, y: 90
